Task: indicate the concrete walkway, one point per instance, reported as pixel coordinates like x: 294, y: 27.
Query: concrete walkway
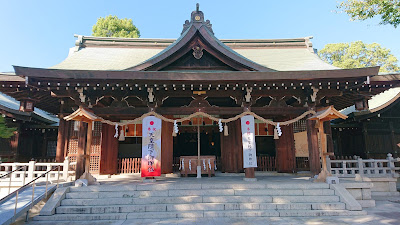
x: 24, y: 200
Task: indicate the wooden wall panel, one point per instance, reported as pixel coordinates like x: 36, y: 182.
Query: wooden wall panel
x: 109, y: 150
x: 285, y: 151
x: 167, y: 146
x: 231, y: 149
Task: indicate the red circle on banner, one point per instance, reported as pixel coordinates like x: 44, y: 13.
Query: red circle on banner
x: 247, y: 122
x: 151, y: 122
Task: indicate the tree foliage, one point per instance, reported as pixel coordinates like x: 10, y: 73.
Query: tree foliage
x: 358, y: 54
x: 112, y: 26
x: 5, y: 132
x: 389, y: 10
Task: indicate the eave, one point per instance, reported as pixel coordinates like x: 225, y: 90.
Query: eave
x: 200, y: 76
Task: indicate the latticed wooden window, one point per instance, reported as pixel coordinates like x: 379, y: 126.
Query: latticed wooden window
x: 299, y: 126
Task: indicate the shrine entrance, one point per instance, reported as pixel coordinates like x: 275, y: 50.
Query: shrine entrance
x: 186, y: 148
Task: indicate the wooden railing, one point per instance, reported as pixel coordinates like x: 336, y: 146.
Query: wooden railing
x: 266, y: 163
x: 129, y: 165
x: 132, y: 165
x: 302, y: 164
x: 364, y: 167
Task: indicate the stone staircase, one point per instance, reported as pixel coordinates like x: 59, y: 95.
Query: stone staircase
x: 198, y: 200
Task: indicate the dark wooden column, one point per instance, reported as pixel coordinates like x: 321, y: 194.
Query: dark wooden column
x: 285, y: 154
x: 167, y: 147
x: 328, y: 133
x: 67, y: 134
x: 313, y: 149
x: 109, y: 150
x: 231, y: 149
x: 61, y: 138
x: 80, y: 157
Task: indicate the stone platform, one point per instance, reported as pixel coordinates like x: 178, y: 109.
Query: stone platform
x: 126, y: 197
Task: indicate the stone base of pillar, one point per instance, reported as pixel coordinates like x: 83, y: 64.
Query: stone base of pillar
x: 91, y: 179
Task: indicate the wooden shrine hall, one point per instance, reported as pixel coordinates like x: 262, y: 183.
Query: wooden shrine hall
x: 120, y: 79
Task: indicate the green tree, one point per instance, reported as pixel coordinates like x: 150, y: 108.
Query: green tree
x: 112, y: 26
x: 358, y: 54
x: 389, y: 10
x: 5, y: 132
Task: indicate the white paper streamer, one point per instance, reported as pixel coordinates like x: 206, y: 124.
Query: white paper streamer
x: 116, y: 131
x: 278, y: 128
x: 221, y: 128
x: 190, y: 165
x: 176, y: 129
x: 183, y: 164
x: 209, y: 164
x: 215, y: 165
x: 180, y: 164
x: 204, y: 164
x: 368, y: 81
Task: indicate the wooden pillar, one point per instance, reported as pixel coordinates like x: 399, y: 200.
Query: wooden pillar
x: 313, y: 149
x: 393, y: 139
x: 88, y: 146
x: 80, y: 157
x: 231, y: 149
x: 285, y: 151
x: 249, y: 172
x: 67, y: 135
x: 328, y: 134
x: 109, y: 150
x: 61, y: 138
x: 167, y: 147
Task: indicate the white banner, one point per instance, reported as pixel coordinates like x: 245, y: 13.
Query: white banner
x: 249, y: 142
x: 151, y: 147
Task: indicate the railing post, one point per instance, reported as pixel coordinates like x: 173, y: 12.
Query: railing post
x: 47, y: 181
x: 360, y: 166
x: 344, y: 167
x: 31, y: 170
x: 391, y: 163
x: 16, y: 204
x: 328, y: 163
x: 23, y: 179
x: 65, y: 168
x: 58, y: 175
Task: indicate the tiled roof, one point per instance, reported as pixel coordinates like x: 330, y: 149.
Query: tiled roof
x: 96, y: 53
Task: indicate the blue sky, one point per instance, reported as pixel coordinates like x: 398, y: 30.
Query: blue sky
x: 39, y: 33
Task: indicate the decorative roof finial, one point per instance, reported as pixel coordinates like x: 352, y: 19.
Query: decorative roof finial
x: 197, y: 17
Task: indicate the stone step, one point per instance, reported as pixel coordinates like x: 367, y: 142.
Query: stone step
x: 213, y: 186
x: 305, y: 199
x: 198, y: 214
x: 196, y: 207
x: 130, y: 201
x: 201, y: 192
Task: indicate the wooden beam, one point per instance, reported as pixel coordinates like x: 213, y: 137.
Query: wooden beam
x: 195, y: 76
x: 127, y: 111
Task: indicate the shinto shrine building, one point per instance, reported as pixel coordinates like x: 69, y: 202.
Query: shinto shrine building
x: 120, y: 79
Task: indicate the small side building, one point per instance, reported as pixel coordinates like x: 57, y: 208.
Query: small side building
x: 371, y: 133
x: 36, y: 130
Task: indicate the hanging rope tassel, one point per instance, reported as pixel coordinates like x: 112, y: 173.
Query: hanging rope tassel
x: 276, y: 136
x: 121, y: 135
x: 226, y: 132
